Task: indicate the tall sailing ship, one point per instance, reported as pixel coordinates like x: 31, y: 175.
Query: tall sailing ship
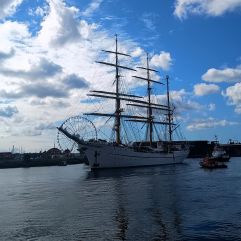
x: 148, y: 152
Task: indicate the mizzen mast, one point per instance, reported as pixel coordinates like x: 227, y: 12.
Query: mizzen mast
x: 169, y: 113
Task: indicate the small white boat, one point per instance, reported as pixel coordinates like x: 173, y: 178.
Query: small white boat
x: 219, y: 153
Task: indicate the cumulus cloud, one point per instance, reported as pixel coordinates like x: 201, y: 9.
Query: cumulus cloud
x: 8, y: 7
x: 39, y: 11
x: 209, y: 7
x: 137, y: 52
x: 43, y: 90
x: 49, y: 101
x: 41, y: 70
x: 163, y: 60
x: 233, y: 93
x: 94, y: 5
x: 209, y: 123
x: 75, y: 82
x: 8, y: 111
x: 40, y: 90
x: 6, y: 55
x: 223, y: 75
x: 205, y: 89
x: 13, y: 35
x: 61, y: 26
x: 180, y: 99
x: 176, y: 96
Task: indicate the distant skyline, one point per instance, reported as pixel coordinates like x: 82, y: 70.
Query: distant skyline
x: 48, y: 50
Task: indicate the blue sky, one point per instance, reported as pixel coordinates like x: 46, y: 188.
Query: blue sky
x: 48, y: 49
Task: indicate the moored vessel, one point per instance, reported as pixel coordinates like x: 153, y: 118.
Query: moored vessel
x: 220, y: 154
x: 154, y: 149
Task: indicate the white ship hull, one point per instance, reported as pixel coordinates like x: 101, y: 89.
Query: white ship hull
x: 108, y: 156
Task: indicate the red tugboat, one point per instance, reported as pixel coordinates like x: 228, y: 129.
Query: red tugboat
x: 211, y: 163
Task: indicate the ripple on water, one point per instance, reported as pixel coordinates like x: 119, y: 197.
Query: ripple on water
x: 181, y: 202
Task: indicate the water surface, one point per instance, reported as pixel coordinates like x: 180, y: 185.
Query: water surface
x: 181, y: 202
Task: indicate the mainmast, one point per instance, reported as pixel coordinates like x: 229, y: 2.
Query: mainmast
x: 149, y: 109
x: 149, y: 112
x: 150, y: 106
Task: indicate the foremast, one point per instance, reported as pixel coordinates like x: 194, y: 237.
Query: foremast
x: 115, y: 95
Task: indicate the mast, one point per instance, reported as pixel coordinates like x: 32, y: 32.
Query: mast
x: 150, y: 106
x: 114, y: 95
x: 117, y: 109
x: 149, y: 112
x: 169, y: 114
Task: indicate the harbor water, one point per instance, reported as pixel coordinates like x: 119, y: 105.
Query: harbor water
x: 181, y: 202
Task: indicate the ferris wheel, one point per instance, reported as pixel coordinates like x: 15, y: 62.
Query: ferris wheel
x: 78, y: 126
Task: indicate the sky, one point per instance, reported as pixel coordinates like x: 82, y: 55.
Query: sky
x: 48, y: 50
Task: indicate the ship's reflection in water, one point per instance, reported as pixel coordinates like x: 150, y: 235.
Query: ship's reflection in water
x: 146, y: 202
x: 121, y: 217
x: 181, y: 202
